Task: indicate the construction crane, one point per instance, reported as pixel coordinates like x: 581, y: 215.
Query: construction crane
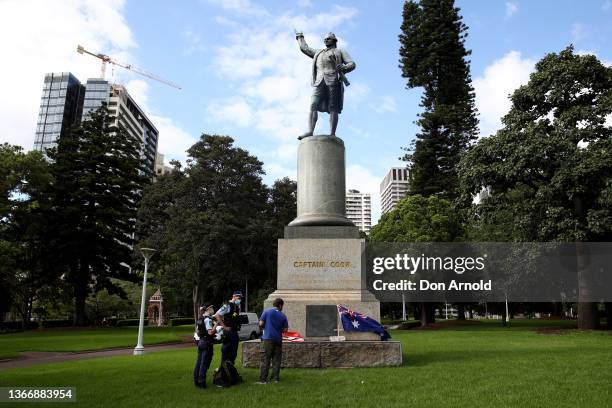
x: 108, y: 60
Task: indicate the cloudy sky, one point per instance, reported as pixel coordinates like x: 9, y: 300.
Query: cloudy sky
x: 243, y: 75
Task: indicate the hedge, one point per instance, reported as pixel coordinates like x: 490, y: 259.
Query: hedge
x: 18, y: 325
x: 56, y: 323
x: 409, y: 325
x: 131, y: 322
x: 181, y: 321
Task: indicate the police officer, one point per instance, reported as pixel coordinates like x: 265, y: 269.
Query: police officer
x: 229, y: 314
x: 205, y: 334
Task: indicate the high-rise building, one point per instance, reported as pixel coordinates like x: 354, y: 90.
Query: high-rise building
x: 359, y: 210
x: 393, y: 188
x: 160, y: 167
x: 127, y: 113
x: 65, y: 102
x: 61, y: 106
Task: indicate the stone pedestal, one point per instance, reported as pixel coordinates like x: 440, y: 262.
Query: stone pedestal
x: 320, y: 264
x: 322, y: 271
x: 326, y: 354
x: 321, y: 182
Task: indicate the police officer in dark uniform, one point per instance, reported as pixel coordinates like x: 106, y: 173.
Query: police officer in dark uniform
x: 204, y: 336
x: 229, y: 314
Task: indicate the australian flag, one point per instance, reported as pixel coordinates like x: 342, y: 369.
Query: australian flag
x: 353, y: 321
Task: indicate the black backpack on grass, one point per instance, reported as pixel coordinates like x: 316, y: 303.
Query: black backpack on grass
x: 226, y: 375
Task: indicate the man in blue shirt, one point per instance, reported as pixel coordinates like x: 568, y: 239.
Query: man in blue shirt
x: 274, y: 323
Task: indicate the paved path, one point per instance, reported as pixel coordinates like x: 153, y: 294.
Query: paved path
x: 30, y: 358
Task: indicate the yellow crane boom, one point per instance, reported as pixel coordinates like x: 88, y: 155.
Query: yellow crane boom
x: 108, y: 60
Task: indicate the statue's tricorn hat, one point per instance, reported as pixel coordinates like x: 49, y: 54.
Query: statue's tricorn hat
x: 331, y: 36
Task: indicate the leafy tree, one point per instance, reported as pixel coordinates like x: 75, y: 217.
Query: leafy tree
x: 98, y: 180
x: 549, y: 170
x: 433, y: 56
x: 419, y: 219
x: 214, y: 221
x: 24, y: 254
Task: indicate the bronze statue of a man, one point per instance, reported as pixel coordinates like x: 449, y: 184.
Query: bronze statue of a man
x: 328, y: 68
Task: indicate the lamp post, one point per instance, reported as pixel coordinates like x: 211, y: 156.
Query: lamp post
x: 147, y: 253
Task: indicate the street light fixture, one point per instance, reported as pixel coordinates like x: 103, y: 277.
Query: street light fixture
x: 147, y: 253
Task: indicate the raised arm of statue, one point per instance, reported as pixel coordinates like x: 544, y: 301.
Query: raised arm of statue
x: 303, y: 46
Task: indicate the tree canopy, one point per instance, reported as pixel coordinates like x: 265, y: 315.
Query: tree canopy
x: 98, y: 179
x: 433, y: 56
x: 549, y: 170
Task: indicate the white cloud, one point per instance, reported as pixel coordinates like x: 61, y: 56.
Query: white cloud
x: 34, y: 43
x: 268, y: 76
x: 386, y: 104
x: 579, y: 32
x: 511, y: 8
x: 304, y: 3
x: 193, y: 42
x: 38, y: 44
x: 173, y: 140
x: 360, y: 178
x: 244, y: 7
x: 500, y: 79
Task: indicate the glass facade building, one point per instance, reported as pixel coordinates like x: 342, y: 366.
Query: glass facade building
x: 65, y: 102
x: 61, y: 106
x: 127, y: 114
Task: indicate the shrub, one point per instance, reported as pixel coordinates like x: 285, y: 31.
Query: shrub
x: 56, y: 323
x: 179, y: 321
x: 409, y: 325
x: 130, y: 322
x: 17, y: 326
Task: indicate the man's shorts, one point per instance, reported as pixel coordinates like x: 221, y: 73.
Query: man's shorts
x: 327, y: 98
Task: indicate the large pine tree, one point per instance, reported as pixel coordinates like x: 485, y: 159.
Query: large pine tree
x: 98, y: 181
x: 433, y: 56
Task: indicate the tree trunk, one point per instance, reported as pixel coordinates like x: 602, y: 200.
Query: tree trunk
x: 427, y: 314
x: 431, y: 312
x: 460, y: 311
x: 608, y: 306
x: 557, y: 309
x: 79, y: 307
x: 504, y: 320
x: 587, y: 316
x: 423, y: 312
x: 197, y: 295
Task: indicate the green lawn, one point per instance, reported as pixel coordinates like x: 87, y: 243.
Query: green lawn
x: 480, y: 365
x: 85, y: 339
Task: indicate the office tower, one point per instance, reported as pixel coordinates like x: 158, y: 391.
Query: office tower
x: 393, y: 188
x: 65, y: 102
x: 160, y: 167
x: 359, y: 210
x: 61, y: 106
x: 127, y: 113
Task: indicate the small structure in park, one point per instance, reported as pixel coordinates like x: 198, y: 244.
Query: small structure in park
x: 155, y: 311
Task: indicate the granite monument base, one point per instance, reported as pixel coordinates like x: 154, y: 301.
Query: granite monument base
x: 329, y: 354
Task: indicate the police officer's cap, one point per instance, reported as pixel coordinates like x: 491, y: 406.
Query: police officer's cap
x: 237, y: 293
x: 206, y: 306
